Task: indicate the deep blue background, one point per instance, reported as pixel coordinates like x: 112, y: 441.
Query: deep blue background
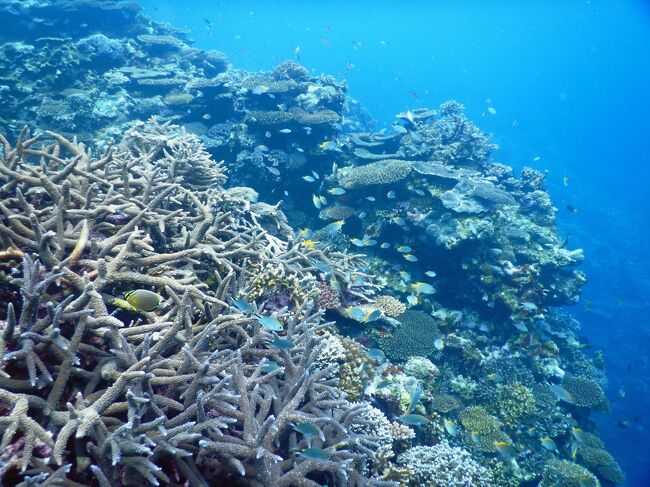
x: 570, y: 83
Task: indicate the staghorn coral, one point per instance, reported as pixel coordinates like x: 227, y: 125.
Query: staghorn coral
x: 444, y: 466
x: 183, y: 391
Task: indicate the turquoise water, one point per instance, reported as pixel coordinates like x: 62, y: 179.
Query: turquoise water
x: 568, y: 82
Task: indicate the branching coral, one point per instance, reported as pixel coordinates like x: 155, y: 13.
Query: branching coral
x: 186, y: 390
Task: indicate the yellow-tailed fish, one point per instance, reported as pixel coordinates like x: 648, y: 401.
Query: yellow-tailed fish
x: 385, y: 245
x: 143, y: 300
x: 439, y: 344
x: 412, y: 300
x: 549, y: 444
x: 357, y: 242
x: 336, y: 191
x: 578, y: 434
x: 309, y: 179
x: 317, y: 202
x: 422, y: 288
x: 451, y: 427
x: 561, y: 392
x: 505, y: 450
x: 316, y: 175
x: 404, y: 249
x: 574, y: 449
x: 373, y: 315
x: 476, y: 438
x: 430, y: 273
x: 369, y: 242
x: 355, y: 312
x: 405, y: 276
x: 410, y: 257
x: 310, y: 244
x: 398, y: 220
x: 323, y: 200
x: 306, y: 233
x: 334, y: 284
x: 334, y: 226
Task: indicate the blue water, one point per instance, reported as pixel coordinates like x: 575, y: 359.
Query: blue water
x: 569, y: 83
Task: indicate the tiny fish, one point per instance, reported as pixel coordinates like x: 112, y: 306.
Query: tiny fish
x: 273, y: 170
x: 391, y: 195
x: 574, y: 449
x: 285, y: 131
x: 451, y: 427
x: 405, y: 276
x: 385, y: 245
x: 315, y: 174
x: 269, y: 322
x: 413, y: 419
x: 314, y: 454
x: 143, y: 300
x: 325, y: 41
x: 405, y: 249
x: 259, y: 90
x: 369, y: 242
x: 505, y: 450
x: 268, y: 134
x: 242, y: 306
x: 410, y: 257
x: 362, y: 215
x: 536, y: 158
x: 282, y: 344
x: 439, y: 344
x: 492, y: 110
x: 309, y: 179
x: 412, y: 300
x: 310, y: 244
x: 419, y: 192
x: 495, y: 377
x: 307, y: 130
x: 383, y: 384
x: 322, y: 266
x: 565, y: 180
x: 323, y: 200
x: 372, y: 316
x: 300, y: 149
x: 317, y: 202
x: 334, y: 227
x: 398, y: 220
x: 578, y: 434
x: 357, y: 242
x: 376, y: 354
x: 561, y: 392
x: 206, y: 116
x: 549, y: 444
x: 399, y: 129
x: 282, y: 107
x: 335, y: 284
x: 521, y: 326
x: 306, y: 233
x: 430, y: 273
x: 371, y: 198
x: 270, y: 366
x: 476, y: 438
x: 336, y: 191
x: 422, y: 288
x: 309, y: 430
x: 415, y: 398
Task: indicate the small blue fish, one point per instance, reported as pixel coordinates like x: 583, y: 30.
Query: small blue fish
x: 306, y: 233
x: 356, y: 313
x: 391, y: 195
x: 309, y: 179
x: 404, y: 249
x: 315, y: 454
x: 549, y: 444
x: 505, y: 450
x: 317, y: 202
x: 282, y: 344
x: 371, y: 198
x: 362, y: 215
x: 410, y: 257
x: 385, y: 245
x: 430, y: 273
x: 413, y: 419
x: 335, y: 284
x: 376, y: 354
x: 415, y: 398
x: 336, y: 191
x: 521, y: 326
x: 322, y: 266
x: 269, y: 322
x: 270, y: 366
x: 309, y: 430
x: 334, y: 227
x: 369, y: 242
x: 398, y: 220
x: 242, y: 306
x: 315, y: 174
x: 383, y: 384
x: 357, y: 242
x: 273, y: 170
x: 412, y: 300
x: 405, y: 276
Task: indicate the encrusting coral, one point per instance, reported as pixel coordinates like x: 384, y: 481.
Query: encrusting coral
x: 195, y: 389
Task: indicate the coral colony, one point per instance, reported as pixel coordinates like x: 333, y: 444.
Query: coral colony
x: 216, y: 277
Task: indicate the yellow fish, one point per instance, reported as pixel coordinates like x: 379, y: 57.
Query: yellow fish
x: 143, y: 300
